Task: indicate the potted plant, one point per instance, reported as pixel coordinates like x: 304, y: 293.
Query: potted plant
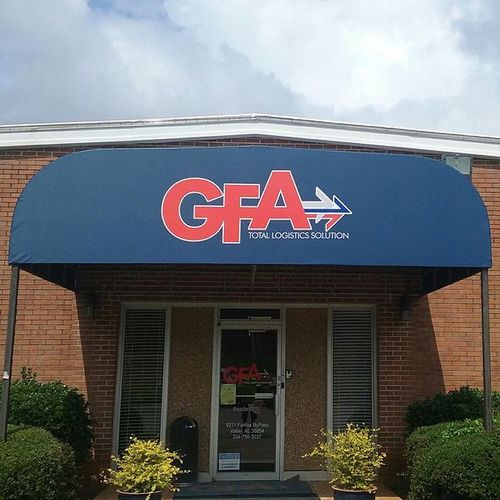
x: 144, y: 470
x: 352, y: 458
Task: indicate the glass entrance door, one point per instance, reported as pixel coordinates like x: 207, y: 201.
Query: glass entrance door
x: 249, y: 399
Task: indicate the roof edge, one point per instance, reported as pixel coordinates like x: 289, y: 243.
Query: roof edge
x: 245, y: 125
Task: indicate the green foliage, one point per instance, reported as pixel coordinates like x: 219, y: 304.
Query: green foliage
x: 11, y: 429
x: 460, y: 404
x: 145, y: 467
x: 458, y: 467
x: 351, y: 457
x: 424, y: 437
x: 53, y: 406
x: 35, y: 465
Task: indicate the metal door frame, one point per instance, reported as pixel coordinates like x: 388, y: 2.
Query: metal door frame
x: 254, y: 324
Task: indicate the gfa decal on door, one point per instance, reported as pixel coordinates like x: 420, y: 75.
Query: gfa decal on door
x: 279, y: 201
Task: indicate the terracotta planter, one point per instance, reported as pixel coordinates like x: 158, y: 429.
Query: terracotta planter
x: 123, y: 495
x: 339, y: 494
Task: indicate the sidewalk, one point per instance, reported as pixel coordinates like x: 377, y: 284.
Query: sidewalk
x: 324, y: 491
x: 321, y: 488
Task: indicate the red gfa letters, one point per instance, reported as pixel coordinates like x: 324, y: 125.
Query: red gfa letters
x: 280, y: 200
x: 234, y: 375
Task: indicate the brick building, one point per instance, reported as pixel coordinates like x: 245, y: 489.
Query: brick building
x: 262, y: 350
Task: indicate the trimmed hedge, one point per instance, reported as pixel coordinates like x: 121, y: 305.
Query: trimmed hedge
x: 420, y: 440
x: 35, y: 465
x: 11, y: 429
x: 53, y: 406
x: 460, y: 404
x: 454, y: 461
x: 460, y: 468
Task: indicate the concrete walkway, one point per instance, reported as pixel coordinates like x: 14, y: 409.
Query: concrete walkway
x: 321, y: 488
x: 324, y: 491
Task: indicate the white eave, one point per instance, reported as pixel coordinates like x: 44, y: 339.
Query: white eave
x: 250, y: 125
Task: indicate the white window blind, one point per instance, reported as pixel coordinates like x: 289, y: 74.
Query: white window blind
x: 142, y: 375
x: 352, y: 367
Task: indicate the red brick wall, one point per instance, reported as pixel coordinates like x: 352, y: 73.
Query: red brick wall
x: 279, y: 285
x: 439, y: 348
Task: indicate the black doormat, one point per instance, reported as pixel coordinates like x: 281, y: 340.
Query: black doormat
x: 247, y: 489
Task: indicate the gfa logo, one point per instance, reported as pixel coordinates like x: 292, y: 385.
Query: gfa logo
x: 280, y: 201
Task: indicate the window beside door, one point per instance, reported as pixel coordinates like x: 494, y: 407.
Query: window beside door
x: 141, y: 383
x: 353, y: 367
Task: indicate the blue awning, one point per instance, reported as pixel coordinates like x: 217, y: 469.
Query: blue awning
x: 249, y: 205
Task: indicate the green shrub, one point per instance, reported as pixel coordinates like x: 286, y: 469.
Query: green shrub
x: 35, y: 465
x: 461, y: 467
x: 53, y: 406
x: 11, y: 429
x: 460, y: 404
x: 420, y: 440
x: 145, y: 467
x: 352, y: 457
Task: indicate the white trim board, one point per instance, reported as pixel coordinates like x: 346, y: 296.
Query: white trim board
x: 246, y: 125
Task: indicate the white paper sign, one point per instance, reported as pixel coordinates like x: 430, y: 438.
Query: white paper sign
x: 229, y: 461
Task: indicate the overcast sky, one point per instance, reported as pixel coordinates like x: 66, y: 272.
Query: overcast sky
x: 432, y: 64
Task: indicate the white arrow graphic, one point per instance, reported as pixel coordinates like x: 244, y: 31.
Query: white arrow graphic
x: 324, y: 203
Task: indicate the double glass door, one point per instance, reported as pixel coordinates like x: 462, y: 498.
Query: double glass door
x: 248, y: 402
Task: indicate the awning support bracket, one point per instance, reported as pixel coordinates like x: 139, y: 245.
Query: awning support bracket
x: 485, y: 327
x: 9, y: 351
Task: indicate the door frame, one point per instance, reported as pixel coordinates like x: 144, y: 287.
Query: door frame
x: 253, y: 324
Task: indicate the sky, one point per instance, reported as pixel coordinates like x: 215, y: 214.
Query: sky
x: 427, y: 64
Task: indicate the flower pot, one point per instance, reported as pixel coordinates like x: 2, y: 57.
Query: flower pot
x: 353, y: 495
x: 124, y: 495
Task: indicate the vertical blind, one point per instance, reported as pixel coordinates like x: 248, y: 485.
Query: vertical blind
x: 352, y: 368
x: 142, y: 375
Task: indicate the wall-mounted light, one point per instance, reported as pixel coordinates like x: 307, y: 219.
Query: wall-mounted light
x: 404, y: 308
x: 460, y: 163
x: 89, y: 302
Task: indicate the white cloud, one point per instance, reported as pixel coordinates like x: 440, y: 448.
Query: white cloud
x: 340, y: 54
x: 65, y: 61
x: 419, y: 63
